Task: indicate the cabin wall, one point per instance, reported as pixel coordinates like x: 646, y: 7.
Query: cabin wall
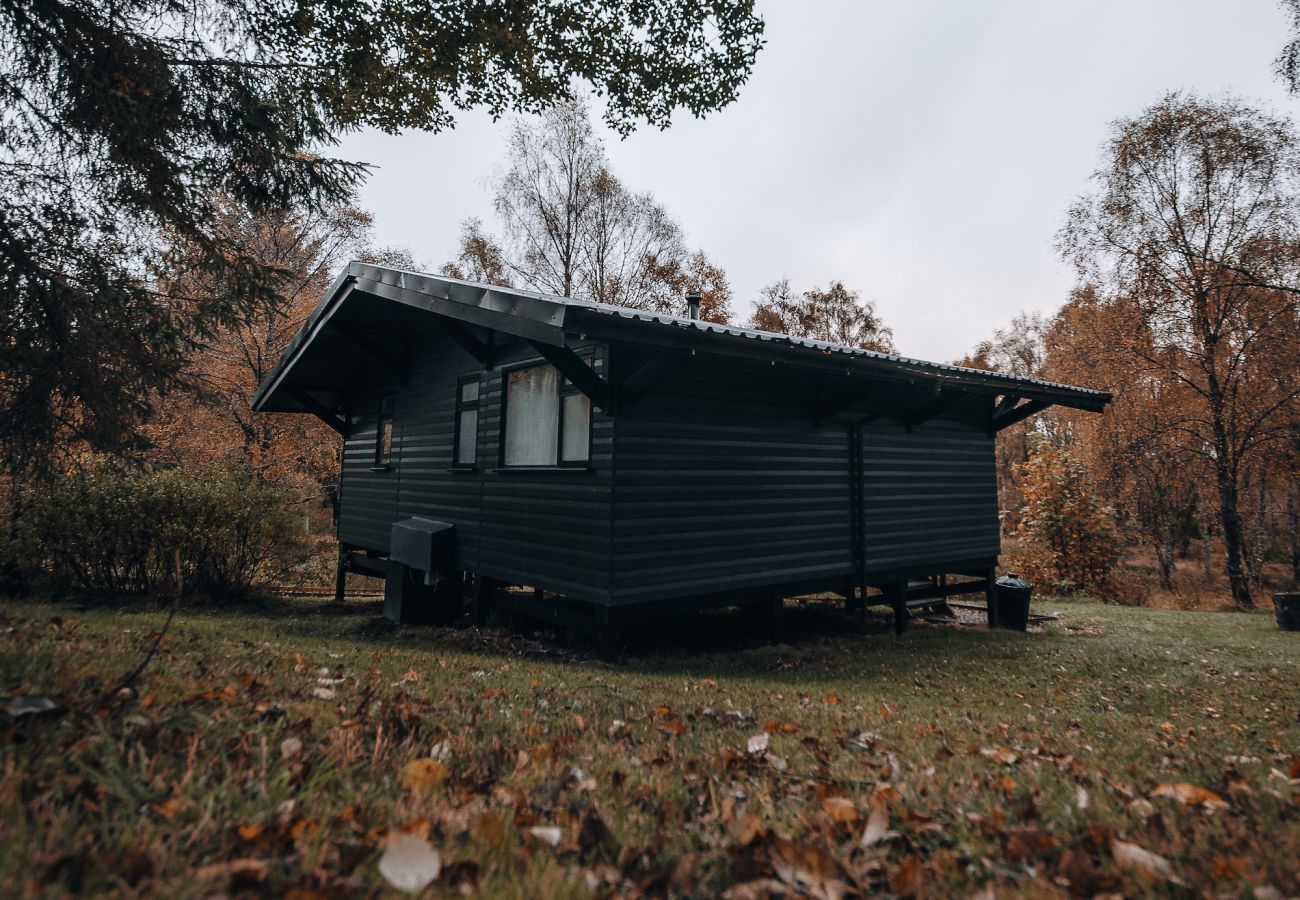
x: 722, y: 482
x: 367, y: 498
x: 929, y: 495
x: 717, y: 480
x: 546, y: 528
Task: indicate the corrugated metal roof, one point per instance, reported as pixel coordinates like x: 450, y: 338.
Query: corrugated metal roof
x: 473, y: 300
x: 820, y: 346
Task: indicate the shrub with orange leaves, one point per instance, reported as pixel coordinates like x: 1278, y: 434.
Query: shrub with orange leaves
x: 1069, y: 538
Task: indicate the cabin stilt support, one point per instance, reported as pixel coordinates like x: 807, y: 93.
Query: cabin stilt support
x: 942, y: 607
x: 341, y: 573
x: 898, y: 600
x: 991, y: 597
x: 776, y: 619
x: 855, y: 603
x: 482, y: 599
x: 609, y: 640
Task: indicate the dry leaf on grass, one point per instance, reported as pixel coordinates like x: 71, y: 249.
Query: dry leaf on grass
x: 758, y: 743
x: 1131, y: 857
x: 841, y: 809
x: 547, y: 834
x: 877, y: 823
x: 409, y: 863
x: 807, y: 868
x: 758, y: 889
x: 423, y: 775
x: 1192, y: 795
x: 909, y: 879
x: 1024, y: 844
x: 1000, y: 755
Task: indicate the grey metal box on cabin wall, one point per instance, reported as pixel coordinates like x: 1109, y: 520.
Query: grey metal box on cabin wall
x: 426, y: 545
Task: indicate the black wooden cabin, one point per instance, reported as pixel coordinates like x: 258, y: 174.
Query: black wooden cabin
x: 627, y: 465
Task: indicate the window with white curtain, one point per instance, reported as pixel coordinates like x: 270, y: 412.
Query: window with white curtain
x: 547, y: 419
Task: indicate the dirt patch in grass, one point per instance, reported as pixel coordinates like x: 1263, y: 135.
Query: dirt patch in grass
x: 280, y: 746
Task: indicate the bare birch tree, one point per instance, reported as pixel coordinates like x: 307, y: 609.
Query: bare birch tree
x: 1195, y: 223
x: 837, y: 314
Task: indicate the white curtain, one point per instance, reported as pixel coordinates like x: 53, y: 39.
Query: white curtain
x: 575, y: 436
x: 532, y: 417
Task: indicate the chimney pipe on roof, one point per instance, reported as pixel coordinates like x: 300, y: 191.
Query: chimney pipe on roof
x: 693, y: 304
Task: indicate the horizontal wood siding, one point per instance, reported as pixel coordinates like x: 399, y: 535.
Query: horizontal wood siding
x: 549, y: 529
x: 423, y: 434
x: 722, y: 482
x: 930, y: 496
x: 367, y: 499
x: 719, y: 479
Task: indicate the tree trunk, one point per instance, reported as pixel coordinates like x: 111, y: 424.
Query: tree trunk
x: 1259, y: 535
x: 1165, y: 555
x: 1234, y: 544
x: 1293, y: 517
x: 1207, y: 544
x: 1226, y: 474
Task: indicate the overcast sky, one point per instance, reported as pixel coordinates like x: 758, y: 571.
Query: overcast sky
x: 922, y: 152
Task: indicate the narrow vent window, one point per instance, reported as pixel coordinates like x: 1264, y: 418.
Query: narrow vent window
x: 384, y: 432
x: 467, y: 399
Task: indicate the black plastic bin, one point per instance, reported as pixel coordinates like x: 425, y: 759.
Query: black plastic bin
x: 1012, y: 598
x: 1287, y: 609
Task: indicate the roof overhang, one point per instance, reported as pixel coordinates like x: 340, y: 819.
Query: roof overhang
x: 359, y: 327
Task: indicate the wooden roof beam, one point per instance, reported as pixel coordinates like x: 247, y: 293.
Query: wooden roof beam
x: 1018, y: 414
x: 1005, y: 404
x: 376, y: 354
x: 583, y: 376
x: 319, y: 410
x: 942, y: 402
x: 834, y: 403
x: 466, y: 339
x: 649, y: 375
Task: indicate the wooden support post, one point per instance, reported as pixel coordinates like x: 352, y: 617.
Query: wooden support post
x: 853, y: 601
x: 898, y: 600
x: 991, y: 596
x: 609, y: 638
x: 482, y: 600
x: 943, y: 606
x: 341, y: 573
x: 776, y: 619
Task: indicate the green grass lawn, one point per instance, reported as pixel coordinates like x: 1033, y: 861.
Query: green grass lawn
x: 267, y: 750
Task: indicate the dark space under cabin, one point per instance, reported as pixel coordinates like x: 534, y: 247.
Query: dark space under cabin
x: 623, y: 465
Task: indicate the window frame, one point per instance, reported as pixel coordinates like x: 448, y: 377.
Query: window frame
x: 383, y: 461
x: 563, y: 388
x: 462, y: 406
